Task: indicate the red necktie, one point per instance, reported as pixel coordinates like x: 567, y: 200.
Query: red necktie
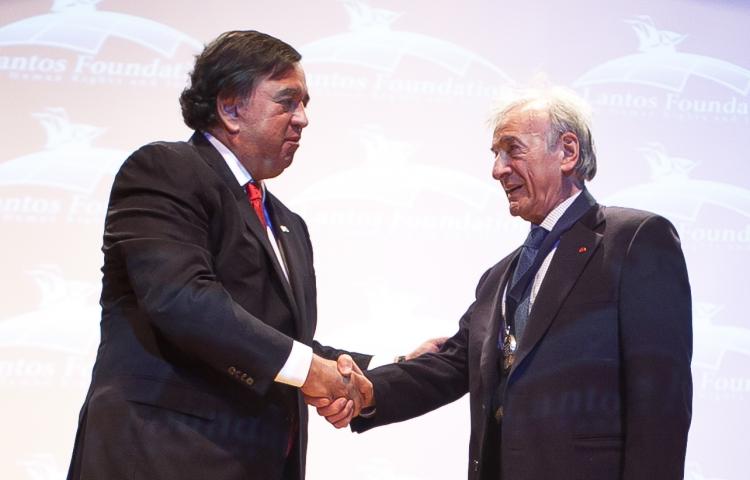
x: 256, y: 200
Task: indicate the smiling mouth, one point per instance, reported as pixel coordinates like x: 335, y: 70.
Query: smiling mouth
x: 510, y: 190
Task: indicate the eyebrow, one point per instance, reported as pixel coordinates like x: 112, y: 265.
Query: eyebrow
x: 506, y: 139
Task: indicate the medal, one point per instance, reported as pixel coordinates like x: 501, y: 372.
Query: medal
x: 509, y: 349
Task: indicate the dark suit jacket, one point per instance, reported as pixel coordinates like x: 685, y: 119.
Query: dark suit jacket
x: 601, y: 388
x: 197, y: 320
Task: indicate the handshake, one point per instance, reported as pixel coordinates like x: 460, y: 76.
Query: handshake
x: 339, y: 390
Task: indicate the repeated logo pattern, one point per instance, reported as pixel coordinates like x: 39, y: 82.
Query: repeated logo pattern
x: 405, y: 174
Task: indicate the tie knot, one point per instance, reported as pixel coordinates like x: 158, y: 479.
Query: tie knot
x: 256, y: 200
x: 254, y: 192
x: 536, y: 237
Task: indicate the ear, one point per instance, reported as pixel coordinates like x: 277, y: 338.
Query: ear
x: 227, y: 109
x: 570, y: 152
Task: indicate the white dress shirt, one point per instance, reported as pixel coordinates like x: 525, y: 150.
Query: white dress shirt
x: 295, y: 369
x: 548, y: 224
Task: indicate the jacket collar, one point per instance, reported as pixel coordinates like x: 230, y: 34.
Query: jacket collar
x: 215, y: 160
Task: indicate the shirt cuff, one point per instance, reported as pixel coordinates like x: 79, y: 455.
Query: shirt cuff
x: 295, y: 370
x: 368, y: 412
x: 379, y: 360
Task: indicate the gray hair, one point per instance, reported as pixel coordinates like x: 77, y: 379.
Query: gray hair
x: 567, y: 113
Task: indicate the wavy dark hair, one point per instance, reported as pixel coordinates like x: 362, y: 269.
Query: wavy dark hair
x: 232, y: 65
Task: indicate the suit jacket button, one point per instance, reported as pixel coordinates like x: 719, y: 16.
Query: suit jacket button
x: 249, y: 380
x: 499, y: 413
x: 232, y: 371
x: 475, y: 463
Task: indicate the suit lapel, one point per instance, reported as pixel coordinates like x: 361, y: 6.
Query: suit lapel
x: 287, y: 233
x: 253, y: 223
x: 576, y: 248
x: 217, y: 163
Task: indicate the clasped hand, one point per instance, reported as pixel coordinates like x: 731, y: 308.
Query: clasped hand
x: 339, y: 390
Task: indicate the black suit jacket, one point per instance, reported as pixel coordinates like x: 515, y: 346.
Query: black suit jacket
x: 601, y: 388
x: 197, y: 320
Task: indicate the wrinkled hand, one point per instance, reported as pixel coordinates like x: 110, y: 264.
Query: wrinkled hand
x: 338, y: 389
x: 432, y: 345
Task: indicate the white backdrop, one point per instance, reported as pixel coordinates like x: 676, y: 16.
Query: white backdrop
x: 393, y: 178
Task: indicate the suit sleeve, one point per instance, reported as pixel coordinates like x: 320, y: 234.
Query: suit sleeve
x: 656, y: 343
x: 157, y: 233
x: 362, y: 360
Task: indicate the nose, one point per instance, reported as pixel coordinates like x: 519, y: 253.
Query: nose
x: 299, y: 118
x: 501, y: 167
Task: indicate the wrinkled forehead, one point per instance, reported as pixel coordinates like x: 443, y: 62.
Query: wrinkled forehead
x: 522, y: 120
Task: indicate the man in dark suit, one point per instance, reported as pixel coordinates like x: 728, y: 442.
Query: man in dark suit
x: 209, y: 299
x: 576, y: 353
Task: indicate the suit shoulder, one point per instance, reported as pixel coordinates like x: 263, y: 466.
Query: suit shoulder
x: 630, y: 218
x: 165, y: 152
x: 627, y: 224
x: 625, y: 213
x: 165, y: 160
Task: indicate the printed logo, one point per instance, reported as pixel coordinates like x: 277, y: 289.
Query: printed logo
x: 693, y: 471
x: 395, y: 185
x: 716, y: 340
x: 54, y: 345
x: 383, y: 157
x: 672, y: 193
x: 659, y: 65
x: 65, y: 319
x: 77, y: 25
x: 68, y: 162
x: 712, y: 219
x: 42, y: 467
x: 714, y: 376
x: 372, y: 43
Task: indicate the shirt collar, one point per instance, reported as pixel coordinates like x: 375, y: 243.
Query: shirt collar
x: 551, y: 219
x: 238, y: 170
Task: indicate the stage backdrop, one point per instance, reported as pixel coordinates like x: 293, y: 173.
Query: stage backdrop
x: 393, y: 178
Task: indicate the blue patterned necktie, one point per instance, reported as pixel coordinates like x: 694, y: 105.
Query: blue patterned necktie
x: 525, y: 260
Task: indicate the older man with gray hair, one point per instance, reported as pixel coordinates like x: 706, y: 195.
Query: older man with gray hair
x: 576, y: 352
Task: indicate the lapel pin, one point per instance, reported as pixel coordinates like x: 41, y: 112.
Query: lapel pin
x: 582, y: 249
x: 284, y: 229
